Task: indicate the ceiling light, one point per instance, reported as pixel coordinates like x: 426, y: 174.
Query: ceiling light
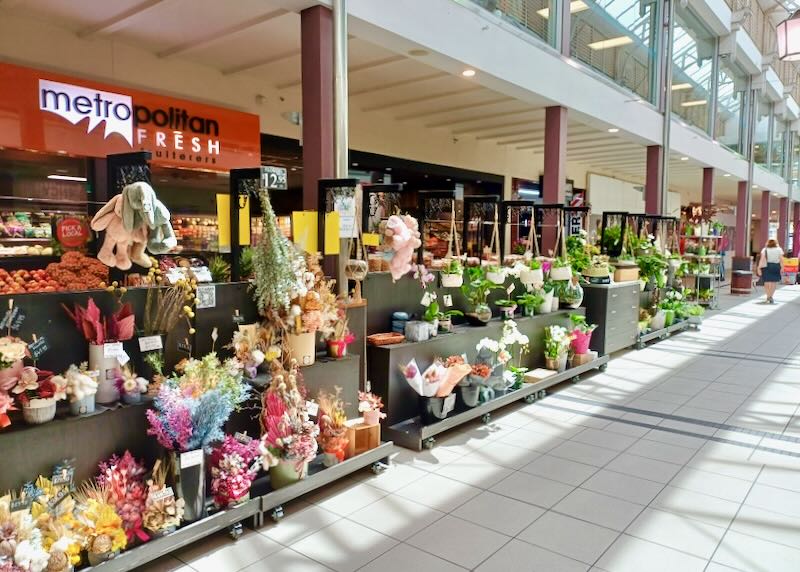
x: 694, y: 103
x: 67, y: 178
x: 613, y: 130
x: 468, y: 73
x: 388, y: 168
x: 354, y: 164
x: 774, y: 194
x: 726, y: 174
x: 611, y: 43
x: 774, y: 212
x: 574, y: 7
x: 789, y: 37
x: 755, y: 186
x: 681, y: 86
x: 684, y: 158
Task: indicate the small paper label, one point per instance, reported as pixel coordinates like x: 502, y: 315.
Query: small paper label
x: 54, y: 502
x: 150, y: 343
x: 449, y: 404
x: 243, y: 438
x: 123, y: 358
x: 38, y: 347
x: 426, y: 300
x: 191, y: 458
x: 238, y: 319
x: 185, y: 347
x: 113, y: 349
x: 312, y: 408
x: 448, y: 300
x: 164, y: 493
x: 23, y: 503
x: 510, y: 289
x: 63, y: 477
x: 206, y: 296
x: 371, y: 239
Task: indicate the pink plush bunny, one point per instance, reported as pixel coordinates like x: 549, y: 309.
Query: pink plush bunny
x: 119, y: 245
x: 402, y: 236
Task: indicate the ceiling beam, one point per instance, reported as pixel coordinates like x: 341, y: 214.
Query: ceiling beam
x: 598, y: 145
x: 399, y: 83
x: 507, y: 134
x: 421, y: 99
x: 452, y: 108
x: 482, y: 129
x: 262, y: 62
x: 216, y: 36
x: 119, y: 21
x: 611, y: 153
x: 352, y: 69
x: 499, y: 115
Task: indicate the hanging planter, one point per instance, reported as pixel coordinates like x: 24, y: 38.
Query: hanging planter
x: 496, y: 276
x: 452, y: 280
x: 560, y: 273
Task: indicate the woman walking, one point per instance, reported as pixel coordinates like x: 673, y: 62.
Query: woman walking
x: 769, y: 268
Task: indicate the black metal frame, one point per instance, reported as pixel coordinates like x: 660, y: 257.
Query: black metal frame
x: 570, y: 211
x: 373, y: 189
x: 423, y: 197
x: 608, y: 215
x: 540, y: 211
x: 243, y: 182
x: 507, y: 211
x: 471, y: 201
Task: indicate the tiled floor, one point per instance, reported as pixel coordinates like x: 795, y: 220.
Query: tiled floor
x: 681, y: 457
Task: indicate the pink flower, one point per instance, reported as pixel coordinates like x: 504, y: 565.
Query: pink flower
x: 28, y: 380
x: 6, y: 403
x: 411, y: 371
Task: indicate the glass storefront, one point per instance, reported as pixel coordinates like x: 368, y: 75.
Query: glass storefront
x: 778, y: 156
x: 617, y: 38
x: 533, y: 16
x: 761, y: 135
x: 693, y: 51
x: 731, y: 119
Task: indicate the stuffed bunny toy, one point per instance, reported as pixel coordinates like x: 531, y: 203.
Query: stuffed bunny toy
x: 142, y: 209
x: 402, y: 236
x: 120, y: 246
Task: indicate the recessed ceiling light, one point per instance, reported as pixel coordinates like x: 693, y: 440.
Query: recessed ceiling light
x: 67, y: 178
x: 684, y: 158
x: 694, y: 103
x: 755, y: 186
x: 468, y: 73
x: 613, y: 130
x: 774, y: 212
x: 574, y: 7
x: 754, y: 216
x: 681, y: 86
x: 354, y: 164
x: 611, y: 43
x: 388, y: 168
x: 726, y: 174
x: 774, y: 194
x: 449, y: 179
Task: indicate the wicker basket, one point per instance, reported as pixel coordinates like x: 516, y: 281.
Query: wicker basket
x: 385, y: 339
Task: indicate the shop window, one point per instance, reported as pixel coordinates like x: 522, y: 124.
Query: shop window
x: 761, y: 135
x: 693, y: 52
x: 730, y: 124
x: 533, y: 16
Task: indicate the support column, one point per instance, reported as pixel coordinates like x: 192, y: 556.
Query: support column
x: 708, y: 187
x: 652, y: 185
x: 742, y: 275
x: 316, y: 26
x: 555, y: 168
x: 796, y: 223
x: 783, y: 223
x: 763, y: 229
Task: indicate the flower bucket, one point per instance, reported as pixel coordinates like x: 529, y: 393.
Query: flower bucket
x: 302, y: 347
x: 286, y: 473
x: 527, y: 310
x: 433, y: 409
x: 372, y: 417
x: 496, y: 277
x: 131, y: 398
x: 554, y: 306
x: 558, y: 365
x: 446, y: 325
x: 695, y: 320
x: 189, y: 478
x: 580, y: 344
x: 547, y: 304
x: 416, y: 331
x: 38, y: 411
x: 530, y: 276
x: 433, y: 328
x: 469, y: 394
x: 337, y: 348
x: 82, y: 406
x: 659, y: 321
x: 107, y: 368
x: 669, y: 318
x: 507, y: 312
x: 452, y: 280
x: 561, y: 273
x: 10, y: 375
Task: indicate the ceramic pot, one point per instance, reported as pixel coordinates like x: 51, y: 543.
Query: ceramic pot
x: 286, y: 473
x: 496, y: 277
x: 38, y: 411
x: 302, y: 347
x: 131, y: 398
x: 558, y: 365
x: 530, y: 276
x: 669, y: 318
x: 372, y: 417
x: 82, y: 406
x: 554, y: 306
x: 189, y: 478
x: 561, y: 273
x: 452, y: 280
x: 580, y: 344
x: 658, y: 321
x: 337, y: 348
x: 446, y: 325
x: 107, y: 368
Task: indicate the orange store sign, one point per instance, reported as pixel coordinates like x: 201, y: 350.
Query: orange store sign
x: 50, y: 112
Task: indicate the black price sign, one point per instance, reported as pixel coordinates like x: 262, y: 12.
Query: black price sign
x: 38, y: 347
x: 22, y: 503
x: 185, y: 347
x: 12, y: 320
x: 275, y: 178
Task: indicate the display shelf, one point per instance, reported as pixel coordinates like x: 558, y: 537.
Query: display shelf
x: 46, y: 239
x: 412, y: 434
x: 661, y: 334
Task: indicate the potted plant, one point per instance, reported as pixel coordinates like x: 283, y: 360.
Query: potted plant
x: 529, y: 302
x: 557, y: 342
x: 547, y: 294
x: 658, y: 321
x: 370, y: 405
x: 561, y: 269
x: 507, y: 308
x: 162, y: 511
x: 495, y: 274
x: 652, y: 268
x: 694, y: 313
x: 332, y: 422
x: 431, y: 314
x: 338, y: 336
x: 532, y: 273
x: 582, y: 333
x: 130, y: 386
x: 452, y: 274
x: 38, y: 391
x: 81, y: 386
x: 571, y: 293
x: 446, y: 320
x: 612, y: 240
x: 477, y: 290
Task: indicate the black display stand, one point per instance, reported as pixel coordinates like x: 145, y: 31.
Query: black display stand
x: 479, y: 210
x: 612, y: 219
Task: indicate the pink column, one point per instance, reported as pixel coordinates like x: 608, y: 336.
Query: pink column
x: 763, y: 228
x: 316, y: 26
x: 652, y: 185
x: 783, y: 223
x: 742, y: 239
x: 708, y: 186
x: 796, y: 235
x: 555, y: 168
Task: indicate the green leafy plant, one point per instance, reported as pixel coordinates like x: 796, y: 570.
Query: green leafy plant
x: 220, y: 269
x: 246, y: 264
x: 560, y: 262
x: 556, y: 341
x: 505, y: 303
x: 612, y: 239
x: 518, y: 248
x: 477, y: 288
x: 431, y: 312
x: 578, y: 253
x: 535, y: 264
x: 652, y: 268
x: 530, y: 301
x: 579, y: 323
x: 694, y: 310
x: 450, y: 314
x: 453, y: 266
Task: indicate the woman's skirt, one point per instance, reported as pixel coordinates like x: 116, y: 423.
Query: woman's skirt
x: 772, y: 272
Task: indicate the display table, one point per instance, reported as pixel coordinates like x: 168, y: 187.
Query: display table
x: 661, y: 334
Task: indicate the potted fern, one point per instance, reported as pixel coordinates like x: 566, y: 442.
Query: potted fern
x: 452, y: 274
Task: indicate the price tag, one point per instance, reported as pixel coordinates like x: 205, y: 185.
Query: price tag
x: 54, y: 502
x: 164, y: 493
x: 448, y: 300
x: 12, y: 319
x: 63, y: 477
x: 22, y: 503
x: 312, y: 408
x: 193, y: 458
x: 38, y: 347
x: 426, y: 300
x: 243, y: 438
x: 150, y: 343
x: 510, y: 289
x: 274, y: 177
x: 238, y: 319
x: 449, y: 404
x: 185, y: 347
x: 113, y: 349
x: 206, y: 296
x: 123, y: 358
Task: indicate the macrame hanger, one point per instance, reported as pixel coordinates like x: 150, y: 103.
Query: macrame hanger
x: 494, y: 245
x: 533, y: 239
x: 453, y: 234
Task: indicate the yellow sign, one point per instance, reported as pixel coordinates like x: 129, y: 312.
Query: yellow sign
x: 224, y: 220
x: 372, y: 239
x: 304, y: 230
x: 332, y: 233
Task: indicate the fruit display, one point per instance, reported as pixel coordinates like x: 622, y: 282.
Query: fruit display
x: 22, y: 281
x: 78, y: 272
x: 31, y: 250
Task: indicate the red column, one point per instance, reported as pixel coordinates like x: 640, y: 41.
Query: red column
x: 783, y: 223
x: 652, y: 185
x: 708, y: 186
x: 316, y: 26
x: 796, y: 235
x: 742, y: 237
x: 555, y: 168
x: 763, y: 228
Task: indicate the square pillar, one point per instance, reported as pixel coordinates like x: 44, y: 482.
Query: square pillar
x: 763, y: 229
x: 652, y: 185
x: 316, y: 46
x: 796, y: 223
x: 783, y: 223
x: 555, y: 169
x: 708, y: 187
x: 742, y: 246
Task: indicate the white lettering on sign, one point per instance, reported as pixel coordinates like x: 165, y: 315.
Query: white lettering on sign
x: 75, y: 104
x: 191, y: 458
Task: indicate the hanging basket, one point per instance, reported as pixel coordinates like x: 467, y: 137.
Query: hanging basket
x: 452, y: 280
x: 356, y: 269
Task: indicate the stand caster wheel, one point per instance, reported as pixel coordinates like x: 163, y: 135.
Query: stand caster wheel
x: 541, y: 395
x: 378, y: 468
x: 576, y: 379
x: 428, y: 443
x: 603, y: 367
x: 486, y: 418
x: 640, y: 345
x: 277, y: 513
x: 530, y: 398
x: 235, y: 531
